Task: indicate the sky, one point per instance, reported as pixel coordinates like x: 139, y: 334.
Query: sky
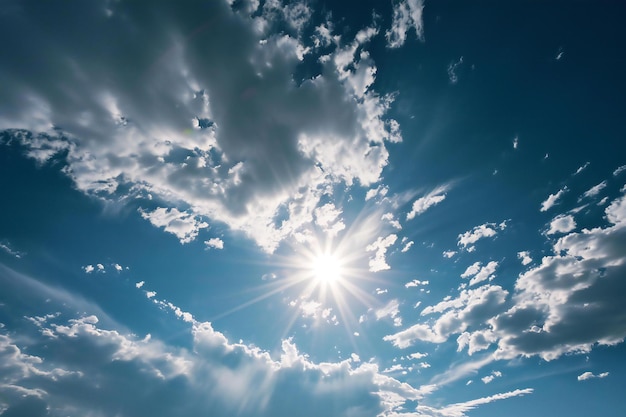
x: 393, y: 208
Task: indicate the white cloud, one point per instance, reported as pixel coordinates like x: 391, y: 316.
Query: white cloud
x: 460, y: 409
x: 185, y: 226
x: 470, y: 308
x: 562, y: 224
x: 590, y: 375
x: 140, y: 284
x: 215, y: 243
x: 390, y: 218
x: 244, y: 147
x: 424, y: 203
x: 466, y: 240
x: 118, y: 267
x: 487, y: 379
x: 407, y: 15
x: 619, y: 170
x: 568, y: 303
x: 515, y: 142
x: 415, y: 283
x: 327, y: 217
x: 391, y: 310
x: 7, y: 247
x: 88, y: 269
x: 552, y: 199
x: 381, y: 190
x: 595, y: 190
x: 524, y: 256
x: 407, y: 246
x: 150, y: 294
x: 581, y: 168
x: 380, y: 246
x: 314, y: 310
x: 449, y: 254
x: 452, y: 68
x: 479, y: 273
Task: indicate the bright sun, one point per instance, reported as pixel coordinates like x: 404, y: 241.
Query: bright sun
x: 326, y: 269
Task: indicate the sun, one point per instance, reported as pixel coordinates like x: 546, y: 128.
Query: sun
x: 326, y: 269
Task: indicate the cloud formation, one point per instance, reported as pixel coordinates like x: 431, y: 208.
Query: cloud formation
x: 248, y: 146
x: 407, y: 15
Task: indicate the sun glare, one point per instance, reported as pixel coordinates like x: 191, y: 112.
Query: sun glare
x: 326, y: 269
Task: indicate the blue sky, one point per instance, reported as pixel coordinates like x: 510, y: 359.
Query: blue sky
x: 271, y: 208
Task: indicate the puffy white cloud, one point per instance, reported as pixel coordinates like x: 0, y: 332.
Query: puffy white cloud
x: 327, y: 217
x: 380, y: 246
x: 215, y: 243
x: 524, y: 256
x: 571, y: 301
x: 561, y: 224
x: 515, y: 142
x: 466, y: 240
x: 553, y: 199
x: 424, y: 203
x: 140, y: 284
x: 407, y: 15
x: 185, y: 226
x: 471, y: 308
x: 590, y: 375
x: 88, y: 269
x: 249, y: 147
x: 449, y: 254
x: 480, y: 273
x: 415, y: 283
x: 487, y: 379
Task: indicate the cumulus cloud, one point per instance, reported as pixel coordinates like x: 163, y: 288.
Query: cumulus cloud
x: 380, y: 246
x: 590, y: 375
x: 562, y: 224
x: 215, y: 243
x: 466, y: 240
x: 249, y: 147
x: 480, y: 273
x: 524, y: 256
x: 145, y: 374
x: 185, y: 226
x: 449, y: 253
x: 572, y: 301
x: 415, y: 283
x: 407, y: 15
x: 487, y: 379
x: 553, y: 199
x: 471, y: 308
x: 424, y: 203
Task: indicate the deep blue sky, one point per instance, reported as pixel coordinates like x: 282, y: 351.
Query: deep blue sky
x: 398, y: 208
